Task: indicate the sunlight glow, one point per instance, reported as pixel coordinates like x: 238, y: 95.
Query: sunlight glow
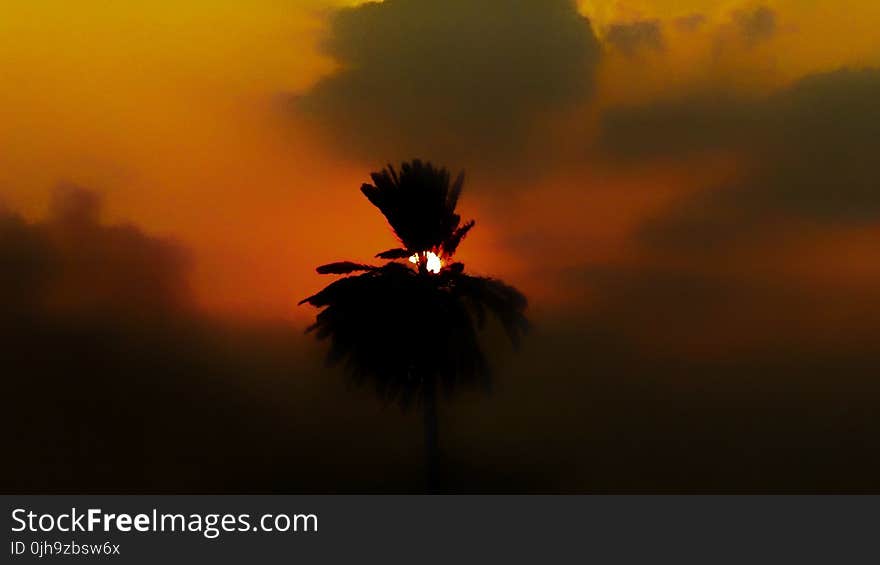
x: 433, y: 263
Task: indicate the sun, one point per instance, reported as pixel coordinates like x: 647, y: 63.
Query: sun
x: 433, y: 263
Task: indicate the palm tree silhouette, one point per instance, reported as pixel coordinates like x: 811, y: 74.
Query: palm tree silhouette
x: 410, y: 325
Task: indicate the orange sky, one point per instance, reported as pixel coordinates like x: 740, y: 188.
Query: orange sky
x: 169, y: 110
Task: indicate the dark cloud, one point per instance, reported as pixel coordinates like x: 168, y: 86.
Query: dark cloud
x: 757, y: 24
x: 25, y: 262
x: 72, y: 264
x: 824, y: 139
x: 696, y: 122
x: 632, y: 38
x: 455, y: 80
x: 811, y: 148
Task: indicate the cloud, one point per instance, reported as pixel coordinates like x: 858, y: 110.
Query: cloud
x: 632, y: 38
x: 25, y: 261
x: 757, y: 24
x: 810, y: 147
x: 695, y: 122
x: 451, y: 80
x: 73, y: 264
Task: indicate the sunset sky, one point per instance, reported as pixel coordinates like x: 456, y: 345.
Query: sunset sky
x: 687, y: 191
x: 708, y: 166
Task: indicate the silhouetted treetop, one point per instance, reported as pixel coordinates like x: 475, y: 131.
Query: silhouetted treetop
x: 419, y: 203
x: 411, y: 326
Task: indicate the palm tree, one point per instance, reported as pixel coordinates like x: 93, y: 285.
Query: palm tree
x: 410, y: 325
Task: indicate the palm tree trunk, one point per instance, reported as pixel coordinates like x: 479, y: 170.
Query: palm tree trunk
x: 432, y: 446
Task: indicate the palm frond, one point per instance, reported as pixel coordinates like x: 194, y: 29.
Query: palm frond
x: 450, y: 246
x: 343, y: 268
x: 394, y: 254
x: 455, y: 192
x: 505, y: 302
